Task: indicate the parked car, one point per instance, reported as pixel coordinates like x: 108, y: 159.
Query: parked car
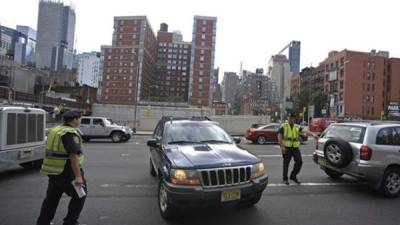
x: 318, y: 125
x: 101, y: 127
x: 267, y: 134
x: 369, y: 151
x: 22, y: 136
x: 198, y: 163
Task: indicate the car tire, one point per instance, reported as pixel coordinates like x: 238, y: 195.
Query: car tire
x: 167, y: 210
x: 338, y: 152
x: 116, y: 137
x: 152, y: 170
x: 333, y: 174
x: 251, y: 201
x: 32, y: 165
x: 261, y: 140
x: 390, y: 186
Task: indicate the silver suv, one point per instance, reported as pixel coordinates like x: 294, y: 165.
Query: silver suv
x: 101, y: 127
x: 369, y: 151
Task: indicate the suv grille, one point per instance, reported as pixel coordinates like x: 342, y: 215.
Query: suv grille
x: 220, y: 177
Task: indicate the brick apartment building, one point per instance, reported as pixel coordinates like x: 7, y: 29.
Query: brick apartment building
x: 359, y: 84
x: 129, y: 63
x: 220, y: 107
x: 162, y: 68
x: 202, y: 61
x: 173, y: 66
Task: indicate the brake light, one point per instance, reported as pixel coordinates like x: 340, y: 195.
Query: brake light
x: 365, y: 153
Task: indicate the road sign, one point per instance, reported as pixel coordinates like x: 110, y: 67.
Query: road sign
x: 394, y: 109
x: 311, y: 109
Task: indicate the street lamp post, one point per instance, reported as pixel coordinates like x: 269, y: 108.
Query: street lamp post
x: 136, y: 91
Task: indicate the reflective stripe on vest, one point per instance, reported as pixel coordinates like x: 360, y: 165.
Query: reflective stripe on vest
x: 56, y: 155
x: 291, y: 135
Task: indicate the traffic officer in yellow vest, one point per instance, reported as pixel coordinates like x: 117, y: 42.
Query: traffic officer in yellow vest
x: 289, y: 139
x: 63, y: 165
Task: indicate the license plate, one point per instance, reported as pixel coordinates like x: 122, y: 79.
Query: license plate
x: 321, y: 161
x: 230, y: 195
x: 25, y: 154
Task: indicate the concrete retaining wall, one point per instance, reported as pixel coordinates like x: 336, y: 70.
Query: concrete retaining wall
x: 148, y: 116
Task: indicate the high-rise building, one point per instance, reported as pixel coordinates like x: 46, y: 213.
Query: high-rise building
x: 129, y: 64
x: 230, y: 85
x: 173, y: 67
x: 202, y: 61
x: 89, y: 64
x: 294, y: 57
x: 13, y: 45
x: 279, y: 71
x: 55, y: 35
x: 30, y: 34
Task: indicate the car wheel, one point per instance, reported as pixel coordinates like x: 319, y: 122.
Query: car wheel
x: 338, y: 152
x: 261, y: 140
x: 116, y: 137
x: 251, y: 201
x: 152, y: 170
x: 33, y: 164
x: 390, y: 186
x: 333, y: 174
x: 167, y: 210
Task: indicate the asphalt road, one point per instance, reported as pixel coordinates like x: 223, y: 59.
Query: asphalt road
x: 122, y: 192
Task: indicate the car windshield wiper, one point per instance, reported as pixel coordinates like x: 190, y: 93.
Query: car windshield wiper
x: 216, y: 141
x: 184, y: 142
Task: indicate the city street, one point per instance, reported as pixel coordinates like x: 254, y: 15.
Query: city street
x: 122, y: 192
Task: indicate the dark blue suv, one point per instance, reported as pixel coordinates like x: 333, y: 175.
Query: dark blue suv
x: 198, y: 163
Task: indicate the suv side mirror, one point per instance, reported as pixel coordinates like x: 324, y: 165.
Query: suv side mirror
x: 153, y: 143
x: 237, y: 140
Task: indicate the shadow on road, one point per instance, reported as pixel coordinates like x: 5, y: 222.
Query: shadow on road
x: 16, y: 173
x: 226, y: 215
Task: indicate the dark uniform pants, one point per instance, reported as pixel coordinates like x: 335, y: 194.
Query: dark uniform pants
x: 298, y: 162
x: 57, y: 186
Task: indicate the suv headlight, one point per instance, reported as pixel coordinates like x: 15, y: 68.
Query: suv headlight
x: 187, y: 177
x: 257, y: 170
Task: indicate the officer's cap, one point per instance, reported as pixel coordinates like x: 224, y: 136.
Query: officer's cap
x: 72, y: 114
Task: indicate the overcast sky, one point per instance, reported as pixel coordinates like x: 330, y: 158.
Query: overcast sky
x: 249, y: 31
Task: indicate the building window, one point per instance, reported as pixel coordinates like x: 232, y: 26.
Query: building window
x: 203, y: 29
x: 341, y: 84
x: 203, y: 36
x: 204, y: 22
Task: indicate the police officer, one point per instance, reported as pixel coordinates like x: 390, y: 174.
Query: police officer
x: 289, y: 139
x: 63, y: 165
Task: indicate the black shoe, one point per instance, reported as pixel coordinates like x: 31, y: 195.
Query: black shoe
x: 295, y: 180
x: 285, y: 182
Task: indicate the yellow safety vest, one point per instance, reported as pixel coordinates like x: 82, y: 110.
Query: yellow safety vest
x: 291, y: 135
x: 56, y: 155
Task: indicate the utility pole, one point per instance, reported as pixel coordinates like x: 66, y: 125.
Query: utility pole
x: 136, y: 90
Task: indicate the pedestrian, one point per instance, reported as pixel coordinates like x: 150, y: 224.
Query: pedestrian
x: 63, y: 165
x: 289, y: 140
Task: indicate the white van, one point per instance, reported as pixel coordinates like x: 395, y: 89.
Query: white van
x: 22, y: 136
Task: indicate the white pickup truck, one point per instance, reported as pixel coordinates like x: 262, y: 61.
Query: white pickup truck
x: 22, y: 136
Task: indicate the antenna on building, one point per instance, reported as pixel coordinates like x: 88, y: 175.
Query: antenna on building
x: 241, y: 69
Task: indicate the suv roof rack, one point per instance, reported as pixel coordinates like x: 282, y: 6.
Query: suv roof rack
x: 194, y: 118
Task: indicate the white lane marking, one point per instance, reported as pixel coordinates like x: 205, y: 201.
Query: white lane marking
x: 272, y: 156
x: 137, y: 143
x: 125, y: 154
x: 145, y: 186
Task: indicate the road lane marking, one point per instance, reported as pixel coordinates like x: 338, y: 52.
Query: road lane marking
x: 276, y: 156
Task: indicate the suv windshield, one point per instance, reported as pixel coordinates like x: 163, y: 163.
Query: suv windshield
x: 180, y: 133
x: 346, y: 132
